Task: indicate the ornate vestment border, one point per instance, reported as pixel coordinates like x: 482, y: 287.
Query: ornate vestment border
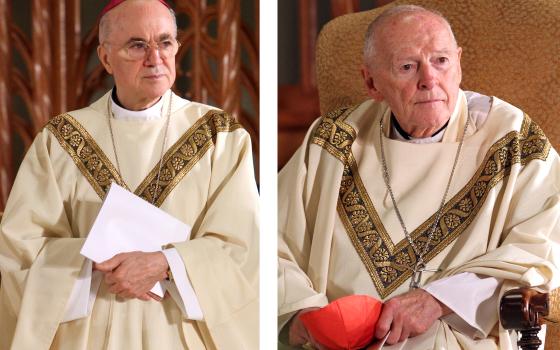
x: 334, y: 135
x: 86, y: 154
x: 388, y: 264
x: 177, y: 161
x: 185, y: 153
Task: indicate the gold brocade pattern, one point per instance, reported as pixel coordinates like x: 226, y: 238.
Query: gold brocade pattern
x: 184, y: 154
x: 334, y: 135
x: 85, y: 153
x: 177, y: 161
x: 388, y: 264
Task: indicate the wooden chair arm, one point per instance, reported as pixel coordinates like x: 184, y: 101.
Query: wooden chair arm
x: 523, y: 310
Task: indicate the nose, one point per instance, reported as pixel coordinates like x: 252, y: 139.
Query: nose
x: 427, y: 79
x: 153, y: 56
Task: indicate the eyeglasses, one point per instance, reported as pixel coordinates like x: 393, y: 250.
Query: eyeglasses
x: 139, y: 50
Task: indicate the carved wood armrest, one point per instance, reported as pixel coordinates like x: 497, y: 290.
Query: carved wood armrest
x: 523, y: 310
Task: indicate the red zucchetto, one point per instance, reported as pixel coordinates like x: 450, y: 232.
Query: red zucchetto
x: 114, y: 3
x: 347, y: 323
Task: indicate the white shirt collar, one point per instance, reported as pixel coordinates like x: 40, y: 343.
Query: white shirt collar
x: 151, y: 113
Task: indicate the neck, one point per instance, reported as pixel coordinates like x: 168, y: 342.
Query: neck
x: 417, y: 133
x: 132, y: 106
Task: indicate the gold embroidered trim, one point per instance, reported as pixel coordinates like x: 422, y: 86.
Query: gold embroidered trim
x: 177, y: 161
x: 334, y: 135
x: 387, y: 263
x: 185, y: 153
x: 86, y: 154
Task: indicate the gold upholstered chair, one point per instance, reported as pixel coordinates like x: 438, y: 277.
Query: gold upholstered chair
x: 510, y: 50
x: 1, y: 212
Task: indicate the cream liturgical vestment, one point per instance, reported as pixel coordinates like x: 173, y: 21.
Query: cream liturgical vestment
x: 207, y: 181
x: 339, y: 234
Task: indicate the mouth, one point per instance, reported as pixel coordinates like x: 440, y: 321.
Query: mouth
x: 428, y: 101
x: 154, y: 76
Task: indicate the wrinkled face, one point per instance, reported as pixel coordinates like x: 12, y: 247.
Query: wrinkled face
x: 417, y: 71
x: 140, y: 82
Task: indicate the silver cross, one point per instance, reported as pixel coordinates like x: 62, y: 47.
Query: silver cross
x: 417, y: 274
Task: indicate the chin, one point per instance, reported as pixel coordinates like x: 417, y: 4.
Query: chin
x: 157, y: 91
x: 435, y: 121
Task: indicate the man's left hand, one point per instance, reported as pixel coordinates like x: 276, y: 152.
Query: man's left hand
x: 409, y: 315
x: 132, y: 275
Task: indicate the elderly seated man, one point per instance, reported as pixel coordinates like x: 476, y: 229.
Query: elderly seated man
x: 431, y: 199
x: 191, y: 160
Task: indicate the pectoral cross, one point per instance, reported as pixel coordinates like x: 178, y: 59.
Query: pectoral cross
x: 417, y: 274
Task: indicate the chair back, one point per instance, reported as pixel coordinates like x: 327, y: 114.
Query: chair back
x: 510, y: 50
x: 1, y: 212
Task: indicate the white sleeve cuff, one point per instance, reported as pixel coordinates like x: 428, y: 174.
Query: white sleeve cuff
x: 83, y: 293
x: 473, y: 299
x: 180, y: 288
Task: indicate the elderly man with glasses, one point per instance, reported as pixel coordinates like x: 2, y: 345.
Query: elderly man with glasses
x: 191, y: 160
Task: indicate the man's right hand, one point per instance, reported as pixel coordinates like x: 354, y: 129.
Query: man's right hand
x: 408, y: 315
x: 133, y: 274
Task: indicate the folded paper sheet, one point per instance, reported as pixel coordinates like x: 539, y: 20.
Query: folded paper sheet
x: 128, y: 223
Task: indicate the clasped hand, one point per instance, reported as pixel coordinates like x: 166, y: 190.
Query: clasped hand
x: 406, y: 315
x: 133, y: 274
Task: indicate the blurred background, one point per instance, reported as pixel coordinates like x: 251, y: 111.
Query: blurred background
x: 299, y: 22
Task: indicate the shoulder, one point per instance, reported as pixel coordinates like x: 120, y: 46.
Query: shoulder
x: 497, y: 120
x: 206, y: 127
x: 513, y: 132
x: 74, y: 130
x: 483, y: 108
x: 497, y: 113
x: 336, y: 131
x: 511, y: 120
x: 506, y: 113
x: 85, y: 121
x: 202, y: 116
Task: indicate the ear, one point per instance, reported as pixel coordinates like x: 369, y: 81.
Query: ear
x: 372, y: 90
x: 459, y: 52
x: 458, y: 69
x: 103, y: 55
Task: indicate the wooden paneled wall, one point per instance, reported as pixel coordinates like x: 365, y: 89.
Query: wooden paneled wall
x: 48, y: 66
x: 298, y: 104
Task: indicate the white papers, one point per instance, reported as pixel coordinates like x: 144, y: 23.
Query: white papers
x: 128, y: 223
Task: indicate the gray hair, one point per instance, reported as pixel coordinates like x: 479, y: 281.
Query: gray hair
x: 105, y: 25
x: 371, y: 33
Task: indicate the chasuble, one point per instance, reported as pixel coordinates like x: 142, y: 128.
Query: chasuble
x: 339, y: 234
x: 207, y: 181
